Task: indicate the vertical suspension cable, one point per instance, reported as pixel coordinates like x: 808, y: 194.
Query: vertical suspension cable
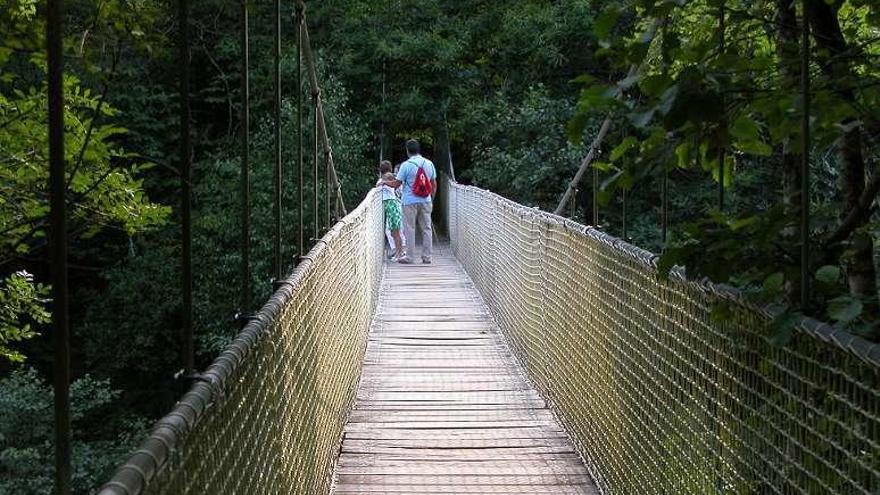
x: 187, y: 347
x: 664, y: 206
x: 245, y: 166
x: 327, y: 194
x: 382, y: 132
x: 595, y: 197
x: 299, y: 128
x: 664, y: 186
x: 277, y: 171
x: 624, y: 215
x: 58, y: 237
x: 316, y: 176
x: 805, y: 160
x: 721, y: 147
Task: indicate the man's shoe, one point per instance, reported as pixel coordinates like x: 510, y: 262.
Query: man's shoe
x: 426, y: 261
x: 405, y: 261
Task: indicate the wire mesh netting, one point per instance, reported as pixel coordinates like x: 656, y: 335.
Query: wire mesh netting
x: 268, y: 415
x: 659, y: 395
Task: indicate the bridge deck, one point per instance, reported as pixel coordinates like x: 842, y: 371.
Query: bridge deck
x: 443, y: 406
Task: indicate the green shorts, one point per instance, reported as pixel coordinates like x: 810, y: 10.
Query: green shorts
x: 393, y: 216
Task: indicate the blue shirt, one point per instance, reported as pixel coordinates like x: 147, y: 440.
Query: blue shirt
x: 407, y: 175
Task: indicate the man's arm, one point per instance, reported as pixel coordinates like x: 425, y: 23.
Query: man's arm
x: 398, y: 181
x: 433, y: 188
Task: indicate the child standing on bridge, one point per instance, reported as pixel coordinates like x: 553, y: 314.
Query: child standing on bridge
x: 391, y: 205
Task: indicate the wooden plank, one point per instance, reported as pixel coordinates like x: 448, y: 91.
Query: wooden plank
x: 443, y: 406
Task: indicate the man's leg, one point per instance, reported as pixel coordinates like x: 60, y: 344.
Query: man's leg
x: 427, y: 231
x: 409, y: 229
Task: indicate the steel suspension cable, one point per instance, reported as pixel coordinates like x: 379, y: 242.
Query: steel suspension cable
x: 277, y: 171
x: 245, y: 167
x: 299, y: 130
x: 315, y: 176
x: 311, y: 68
x: 805, y: 160
x: 58, y: 235
x: 722, y: 152
x: 187, y: 349
x: 327, y: 219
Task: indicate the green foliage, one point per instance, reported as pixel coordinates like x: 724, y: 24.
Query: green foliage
x: 21, y: 302
x: 26, y: 434
x: 103, y: 185
x: 132, y: 325
x: 517, y: 154
x: 693, y: 100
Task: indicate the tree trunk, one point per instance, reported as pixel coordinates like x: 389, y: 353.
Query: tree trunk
x: 788, y: 53
x: 834, y: 62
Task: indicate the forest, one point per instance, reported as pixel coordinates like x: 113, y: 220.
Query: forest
x: 702, y: 164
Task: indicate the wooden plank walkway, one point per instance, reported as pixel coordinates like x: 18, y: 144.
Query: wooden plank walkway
x: 443, y: 407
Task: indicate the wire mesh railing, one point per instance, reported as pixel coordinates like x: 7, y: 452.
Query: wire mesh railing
x: 267, y: 415
x: 659, y: 395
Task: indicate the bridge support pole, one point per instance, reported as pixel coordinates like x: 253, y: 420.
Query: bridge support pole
x: 58, y: 237
x: 316, y: 176
x: 245, y: 192
x: 299, y: 131
x: 805, y: 160
x: 187, y: 347
x: 722, y: 152
x: 664, y: 206
x: 277, y: 171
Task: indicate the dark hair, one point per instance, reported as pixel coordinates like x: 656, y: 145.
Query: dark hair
x: 385, y: 167
x: 412, y: 147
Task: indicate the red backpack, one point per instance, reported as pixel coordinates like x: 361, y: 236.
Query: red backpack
x: 422, y: 185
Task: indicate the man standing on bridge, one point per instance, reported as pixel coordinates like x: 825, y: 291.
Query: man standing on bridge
x: 419, y: 180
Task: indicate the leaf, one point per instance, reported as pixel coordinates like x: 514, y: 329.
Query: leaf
x: 606, y: 21
x: 747, y: 137
x: 782, y: 328
x: 844, y: 308
x: 758, y: 148
x: 669, y: 259
x: 721, y: 311
x: 828, y: 274
x: 627, y: 144
x: 773, y: 284
x: 683, y: 153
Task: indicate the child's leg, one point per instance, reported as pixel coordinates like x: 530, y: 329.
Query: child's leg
x: 398, y: 252
x: 391, y: 239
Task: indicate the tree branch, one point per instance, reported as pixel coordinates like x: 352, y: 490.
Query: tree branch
x: 858, y: 215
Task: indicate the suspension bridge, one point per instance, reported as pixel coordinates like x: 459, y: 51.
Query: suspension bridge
x: 537, y: 355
